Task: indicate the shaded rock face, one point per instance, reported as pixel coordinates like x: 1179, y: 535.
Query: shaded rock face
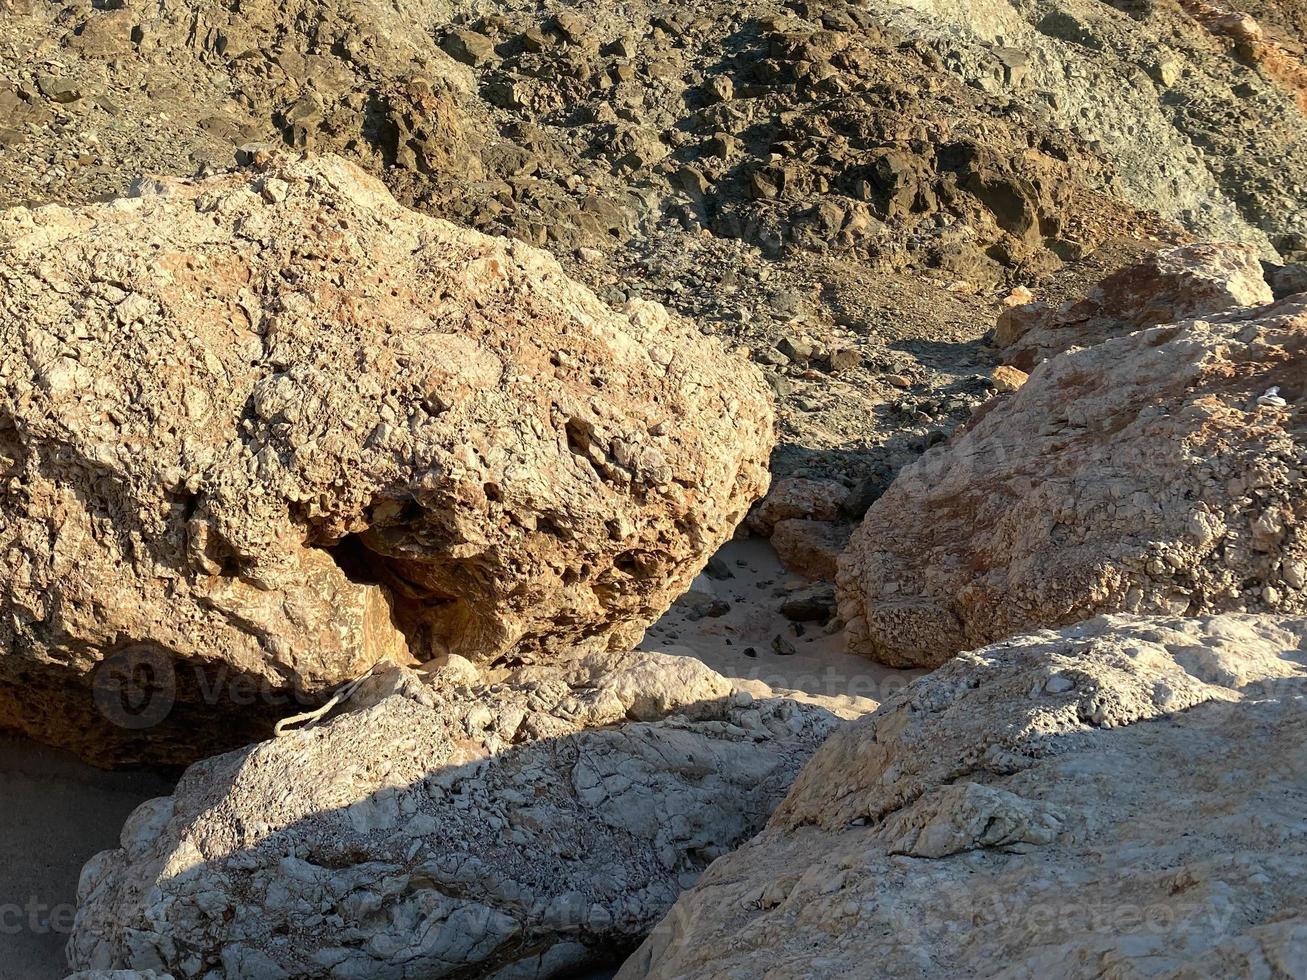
x: 520, y: 824
x: 1155, y: 473
x: 1167, y: 286
x: 1037, y: 808
x: 271, y: 428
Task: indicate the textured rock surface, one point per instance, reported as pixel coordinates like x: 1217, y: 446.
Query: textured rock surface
x: 1151, y: 473
x: 811, y: 548
x: 791, y: 499
x: 177, y: 86
x: 1123, y: 798
x: 1167, y: 286
x: 273, y: 427
x: 619, y: 146
x: 529, y: 823
x: 1151, y: 84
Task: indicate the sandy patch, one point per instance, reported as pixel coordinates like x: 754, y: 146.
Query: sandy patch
x: 742, y: 642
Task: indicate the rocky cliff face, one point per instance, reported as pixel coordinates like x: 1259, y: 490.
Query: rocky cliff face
x: 1151, y: 83
x: 265, y: 430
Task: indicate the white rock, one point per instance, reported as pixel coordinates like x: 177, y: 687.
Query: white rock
x: 1148, y: 825
x: 395, y: 840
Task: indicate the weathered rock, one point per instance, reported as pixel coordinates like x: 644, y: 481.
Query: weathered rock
x: 1170, y: 285
x: 1154, y: 473
x: 513, y: 825
x: 1007, y: 378
x: 813, y: 604
x: 270, y: 428
x: 1197, y: 165
x: 469, y: 47
x: 796, y: 497
x: 58, y: 89
x: 1286, y: 280
x: 811, y: 548
x: 1122, y: 798
x: 844, y: 359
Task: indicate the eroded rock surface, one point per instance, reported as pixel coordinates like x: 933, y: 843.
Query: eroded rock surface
x: 1167, y: 286
x: 272, y: 427
x: 1123, y: 797
x: 521, y: 824
x: 1151, y: 84
x: 1160, y: 472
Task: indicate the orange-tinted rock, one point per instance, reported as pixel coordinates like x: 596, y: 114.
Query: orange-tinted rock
x: 270, y: 428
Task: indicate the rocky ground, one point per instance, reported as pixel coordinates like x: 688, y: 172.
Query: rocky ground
x: 1020, y: 282
x: 810, y: 183
x: 846, y: 192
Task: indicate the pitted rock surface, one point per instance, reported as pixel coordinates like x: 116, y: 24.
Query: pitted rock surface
x: 1160, y: 472
x: 1049, y: 806
x: 523, y: 824
x: 274, y: 427
x: 1167, y: 286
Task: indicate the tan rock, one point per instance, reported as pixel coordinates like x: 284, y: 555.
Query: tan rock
x: 1008, y: 378
x: 266, y: 429
x: 797, y: 497
x: 1121, y: 798
x: 810, y: 548
x: 1020, y: 296
x: 1153, y: 473
x: 1170, y: 285
x: 527, y: 826
x: 1279, y: 62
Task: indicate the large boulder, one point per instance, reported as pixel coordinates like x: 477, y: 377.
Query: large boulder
x: 262, y: 430
x: 1122, y: 798
x: 453, y: 825
x: 1155, y: 473
x: 1165, y: 287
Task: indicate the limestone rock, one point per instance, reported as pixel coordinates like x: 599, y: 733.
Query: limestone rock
x: 1167, y: 286
x: 524, y: 824
x: 797, y: 498
x: 1121, y: 798
x: 268, y: 428
x: 1005, y: 377
x: 1153, y: 473
x: 810, y: 548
